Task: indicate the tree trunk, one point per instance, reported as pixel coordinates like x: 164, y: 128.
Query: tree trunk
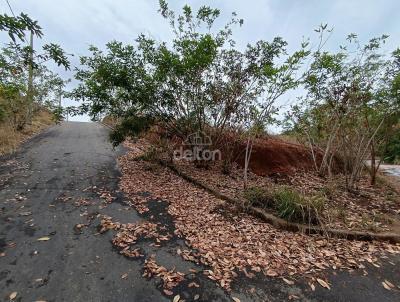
x: 30, y: 84
x: 249, y: 147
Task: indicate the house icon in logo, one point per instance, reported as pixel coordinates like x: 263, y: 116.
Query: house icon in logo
x: 198, y: 138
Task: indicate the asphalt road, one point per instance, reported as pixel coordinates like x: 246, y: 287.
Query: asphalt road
x: 63, y: 161
x: 391, y: 170
x: 39, y: 187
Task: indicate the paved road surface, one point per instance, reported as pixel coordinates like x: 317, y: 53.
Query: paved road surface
x: 73, y: 267
x: 393, y: 170
x: 79, y: 265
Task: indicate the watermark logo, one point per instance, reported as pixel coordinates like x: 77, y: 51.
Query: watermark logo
x: 197, y: 147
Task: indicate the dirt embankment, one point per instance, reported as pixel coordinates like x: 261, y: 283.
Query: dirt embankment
x: 272, y: 156
x: 10, y: 139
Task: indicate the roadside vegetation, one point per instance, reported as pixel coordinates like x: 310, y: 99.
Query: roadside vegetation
x: 29, y: 91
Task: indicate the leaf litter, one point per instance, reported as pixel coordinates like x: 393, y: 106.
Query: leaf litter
x: 170, y: 278
x: 228, y: 241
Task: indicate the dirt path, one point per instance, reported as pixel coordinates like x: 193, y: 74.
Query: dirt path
x: 50, y: 191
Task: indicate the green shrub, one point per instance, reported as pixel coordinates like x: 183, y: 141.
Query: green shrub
x: 130, y: 126
x: 58, y: 114
x: 289, y: 203
x: 294, y: 207
x: 258, y: 197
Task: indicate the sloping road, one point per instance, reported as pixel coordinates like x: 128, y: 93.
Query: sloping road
x: 39, y: 188
x: 62, y: 163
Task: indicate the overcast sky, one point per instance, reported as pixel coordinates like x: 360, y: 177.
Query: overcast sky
x: 75, y: 24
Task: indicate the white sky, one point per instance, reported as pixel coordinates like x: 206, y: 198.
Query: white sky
x: 75, y: 24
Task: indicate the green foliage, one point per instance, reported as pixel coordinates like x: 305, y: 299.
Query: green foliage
x: 47, y: 87
x: 56, y: 53
x: 58, y: 114
x: 288, y: 203
x: 22, y: 93
x: 12, y: 105
x: 258, y: 197
x: 131, y: 126
x: 198, y: 81
x: 16, y: 26
x: 295, y: 207
x: 350, y: 107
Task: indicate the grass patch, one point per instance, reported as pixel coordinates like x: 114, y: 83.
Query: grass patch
x: 295, y: 207
x: 288, y: 203
x: 259, y: 197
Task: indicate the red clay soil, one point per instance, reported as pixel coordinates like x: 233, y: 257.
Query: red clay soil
x: 273, y: 156
x: 270, y: 156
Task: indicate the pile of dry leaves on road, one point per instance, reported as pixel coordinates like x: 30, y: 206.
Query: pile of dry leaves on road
x: 170, y: 278
x: 228, y: 241
x: 128, y: 234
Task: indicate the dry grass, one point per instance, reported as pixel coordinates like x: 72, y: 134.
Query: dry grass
x: 10, y: 139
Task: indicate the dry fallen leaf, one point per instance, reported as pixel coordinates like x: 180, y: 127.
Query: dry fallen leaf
x: 25, y: 213
x: 386, y: 286
x: 176, y: 298
x: 323, y: 283
x: 288, y: 281
x: 389, y: 283
x: 193, y: 284
x: 235, y: 299
x: 168, y: 292
x: 312, y: 286
x: 2, y: 254
x: 271, y: 273
x: 13, y: 295
x: 44, y: 239
x: 124, y: 276
x: 246, y: 239
x: 196, y: 297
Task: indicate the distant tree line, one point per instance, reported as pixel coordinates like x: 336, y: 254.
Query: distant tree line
x: 26, y: 83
